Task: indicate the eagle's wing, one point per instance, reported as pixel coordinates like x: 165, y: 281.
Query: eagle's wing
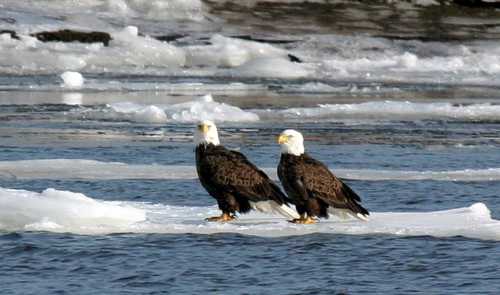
x: 232, y: 171
x: 320, y: 182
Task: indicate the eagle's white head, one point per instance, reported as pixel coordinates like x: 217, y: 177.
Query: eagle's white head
x: 206, y: 133
x: 292, y: 142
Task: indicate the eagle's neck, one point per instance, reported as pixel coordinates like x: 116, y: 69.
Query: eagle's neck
x: 206, y: 146
x: 207, y: 143
x: 206, y: 139
x: 295, y: 149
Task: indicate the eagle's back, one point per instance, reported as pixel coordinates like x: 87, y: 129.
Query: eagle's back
x: 224, y: 171
x: 304, y: 177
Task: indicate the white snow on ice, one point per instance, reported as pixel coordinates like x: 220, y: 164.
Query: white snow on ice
x: 56, y: 210
x: 129, y: 52
x: 325, y: 56
x: 72, y: 80
x: 63, y: 211
x: 390, y: 110
x: 201, y: 108
x: 96, y: 170
x: 206, y: 108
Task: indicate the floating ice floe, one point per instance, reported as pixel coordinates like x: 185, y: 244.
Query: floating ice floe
x: 246, y: 58
x: 56, y: 210
x: 205, y: 108
x: 72, y: 79
x: 202, y: 108
x: 141, y: 51
x: 138, y: 113
x: 390, y: 110
x: 132, y: 53
x: 231, y: 52
x: 96, y: 170
x: 158, y: 10
x: 63, y: 211
x: 272, y: 67
x: 72, y: 98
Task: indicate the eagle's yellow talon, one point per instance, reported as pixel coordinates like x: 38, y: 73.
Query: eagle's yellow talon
x: 225, y: 217
x: 304, y: 220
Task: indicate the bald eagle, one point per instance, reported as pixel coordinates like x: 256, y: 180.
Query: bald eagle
x: 313, y: 188
x: 236, y: 183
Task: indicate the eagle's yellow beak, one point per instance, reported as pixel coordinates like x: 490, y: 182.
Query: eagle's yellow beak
x: 282, y: 139
x: 203, y: 128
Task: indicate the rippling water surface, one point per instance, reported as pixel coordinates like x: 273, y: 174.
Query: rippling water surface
x: 98, y: 191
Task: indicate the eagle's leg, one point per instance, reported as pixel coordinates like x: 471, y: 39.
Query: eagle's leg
x: 225, y: 217
x: 304, y: 219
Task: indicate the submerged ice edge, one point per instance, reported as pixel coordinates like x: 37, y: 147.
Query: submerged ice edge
x: 69, y: 212
x: 97, y: 170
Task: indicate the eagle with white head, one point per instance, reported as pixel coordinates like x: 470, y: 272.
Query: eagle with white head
x: 236, y: 183
x: 313, y: 188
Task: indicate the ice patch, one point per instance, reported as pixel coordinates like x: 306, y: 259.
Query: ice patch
x: 205, y: 108
x: 158, y: 10
x: 127, y: 52
x: 202, y: 108
x: 62, y: 211
x: 140, y: 113
x: 72, y: 79
x: 96, y: 170
x: 272, y: 67
x: 90, y: 170
x: 132, y: 53
x: 390, y: 110
x: 72, y: 98
x: 143, y: 51
x: 231, y: 52
x: 246, y: 58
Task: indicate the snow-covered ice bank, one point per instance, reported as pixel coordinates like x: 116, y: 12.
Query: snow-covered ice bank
x: 247, y: 58
x: 132, y: 53
x: 62, y: 211
x: 390, y: 110
x: 96, y: 170
x: 54, y: 210
x: 202, y: 108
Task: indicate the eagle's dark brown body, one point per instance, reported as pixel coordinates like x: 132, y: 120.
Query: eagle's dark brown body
x: 233, y: 181
x: 313, y: 188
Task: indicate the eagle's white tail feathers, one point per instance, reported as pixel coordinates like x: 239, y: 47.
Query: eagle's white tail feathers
x: 273, y: 207
x: 346, y: 214
x: 362, y: 217
x: 287, y: 211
